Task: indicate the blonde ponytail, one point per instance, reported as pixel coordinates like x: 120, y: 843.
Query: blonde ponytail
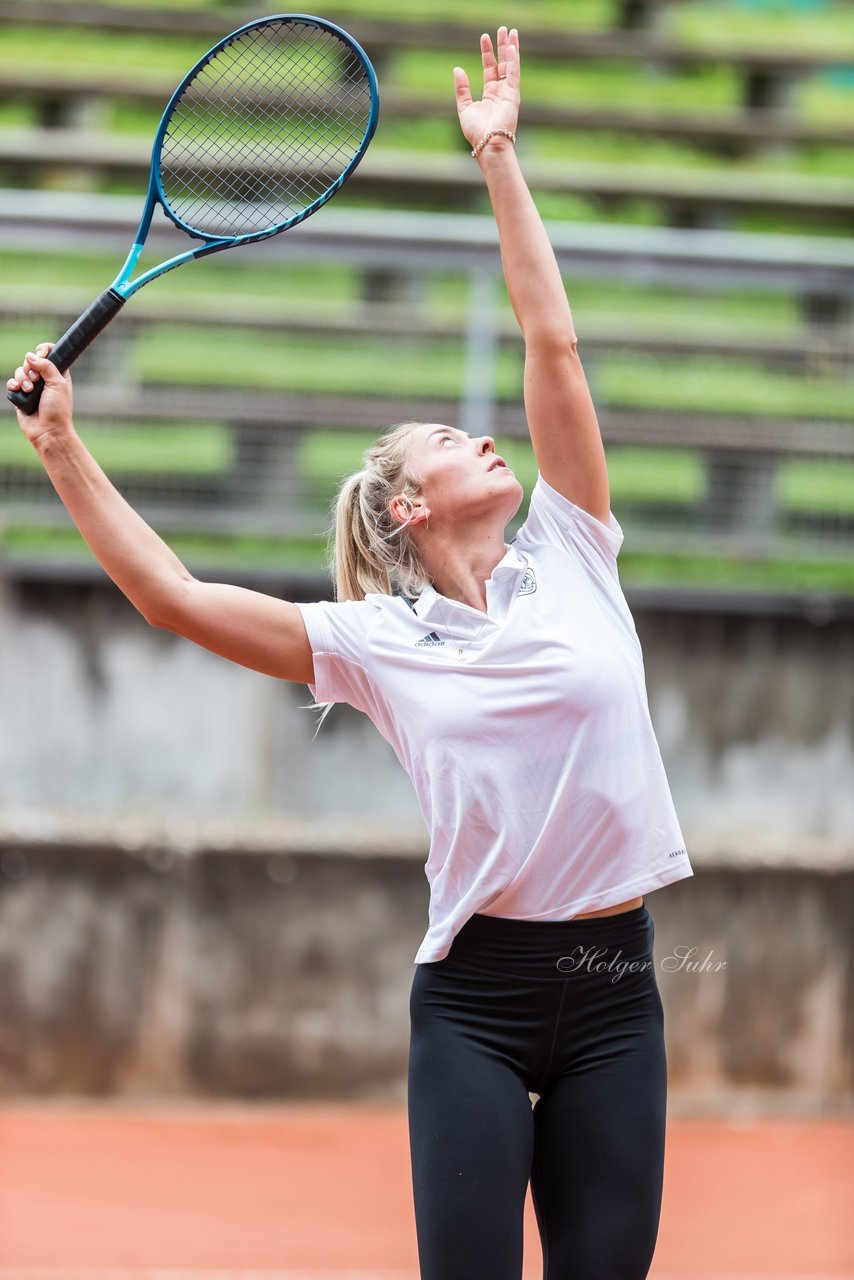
x: 368, y: 550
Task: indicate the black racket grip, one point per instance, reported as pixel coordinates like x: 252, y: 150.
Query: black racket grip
x: 72, y: 344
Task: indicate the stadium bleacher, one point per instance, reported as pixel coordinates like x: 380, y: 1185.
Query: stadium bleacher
x: 770, y: 151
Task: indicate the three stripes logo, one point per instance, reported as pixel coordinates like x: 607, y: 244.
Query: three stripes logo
x: 432, y: 639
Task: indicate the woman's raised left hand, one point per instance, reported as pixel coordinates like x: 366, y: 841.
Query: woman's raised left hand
x: 499, y: 106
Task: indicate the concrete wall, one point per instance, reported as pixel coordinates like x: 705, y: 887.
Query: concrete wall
x: 175, y: 919
x: 103, y: 714
x: 256, y: 974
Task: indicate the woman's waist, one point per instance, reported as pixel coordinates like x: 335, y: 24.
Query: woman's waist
x: 619, y: 909
x: 540, y: 948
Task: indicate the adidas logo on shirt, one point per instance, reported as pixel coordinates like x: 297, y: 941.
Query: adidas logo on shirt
x: 432, y: 639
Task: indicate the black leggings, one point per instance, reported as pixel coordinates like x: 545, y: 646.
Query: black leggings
x: 569, y: 1010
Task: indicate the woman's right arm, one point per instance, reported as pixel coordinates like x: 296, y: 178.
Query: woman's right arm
x: 248, y: 627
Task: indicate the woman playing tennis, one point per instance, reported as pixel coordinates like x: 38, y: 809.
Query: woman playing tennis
x: 509, y: 680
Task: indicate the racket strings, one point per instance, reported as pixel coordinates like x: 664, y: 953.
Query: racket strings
x: 192, y: 194
x: 264, y: 129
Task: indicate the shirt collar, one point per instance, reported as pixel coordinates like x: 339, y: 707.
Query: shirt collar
x: 507, y: 569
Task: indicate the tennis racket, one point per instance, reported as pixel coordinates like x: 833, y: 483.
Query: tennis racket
x: 263, y: 130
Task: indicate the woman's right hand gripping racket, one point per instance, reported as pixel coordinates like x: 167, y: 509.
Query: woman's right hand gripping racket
x: 263, y: 130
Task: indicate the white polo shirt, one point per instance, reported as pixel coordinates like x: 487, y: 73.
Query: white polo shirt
x: 532, y: 753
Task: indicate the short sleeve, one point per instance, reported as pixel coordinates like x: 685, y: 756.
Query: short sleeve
x: 553, y: 519
x: 337, y: 632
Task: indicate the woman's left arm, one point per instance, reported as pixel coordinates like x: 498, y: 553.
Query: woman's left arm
x: 561, y: 418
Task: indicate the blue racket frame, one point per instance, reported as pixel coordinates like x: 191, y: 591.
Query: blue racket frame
x: 212, y: 244
x: 95, y: 319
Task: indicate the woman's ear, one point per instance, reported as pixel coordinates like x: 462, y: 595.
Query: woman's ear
x: 398, y: 508
x: 406, y: 511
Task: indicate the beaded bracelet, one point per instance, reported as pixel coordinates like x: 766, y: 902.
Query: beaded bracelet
x: 504, y: 132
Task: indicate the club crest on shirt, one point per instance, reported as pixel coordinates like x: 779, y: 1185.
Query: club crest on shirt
x: 528, y: 585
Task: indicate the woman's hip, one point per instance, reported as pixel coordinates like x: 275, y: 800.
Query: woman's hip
x: 539, y: 999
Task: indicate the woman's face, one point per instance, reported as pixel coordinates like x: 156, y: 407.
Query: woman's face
x: 462, y: 477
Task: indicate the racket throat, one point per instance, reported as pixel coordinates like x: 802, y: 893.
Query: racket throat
x: 120, y: 284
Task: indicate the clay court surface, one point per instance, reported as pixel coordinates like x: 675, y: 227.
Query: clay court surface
x: 92, y: 1191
